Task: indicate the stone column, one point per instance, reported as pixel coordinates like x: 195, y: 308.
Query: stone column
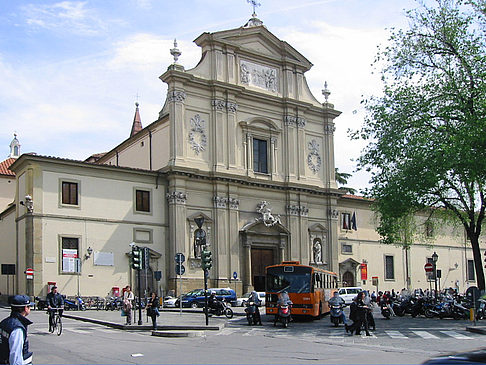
x: 177, y: 238
x: 247, y: 262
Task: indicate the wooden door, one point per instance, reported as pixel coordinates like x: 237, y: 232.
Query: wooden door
x: 260, y: 259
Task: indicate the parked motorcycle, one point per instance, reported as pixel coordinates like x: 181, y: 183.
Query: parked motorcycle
x: 252, y: 314
x: 336, y: 314
x: 283, y: 314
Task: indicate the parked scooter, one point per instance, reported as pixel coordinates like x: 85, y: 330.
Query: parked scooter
x: 336, y: 314
x: 252, y: 314
x: 41, y: 304
x: 75, y: 304
x: 283, y: 314
x: 114, y: 303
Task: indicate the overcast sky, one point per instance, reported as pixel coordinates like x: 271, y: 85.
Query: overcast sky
x: 70, y: 71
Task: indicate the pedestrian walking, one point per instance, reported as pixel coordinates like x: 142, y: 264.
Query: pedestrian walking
x: 128, y: 298
x: 358, y: 315
x: 153, y: 309
x: 14, y: 345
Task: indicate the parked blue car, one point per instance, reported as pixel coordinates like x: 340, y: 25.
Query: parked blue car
x: 195, y: 298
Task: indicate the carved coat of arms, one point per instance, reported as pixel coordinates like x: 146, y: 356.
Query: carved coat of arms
x: 267, y: 218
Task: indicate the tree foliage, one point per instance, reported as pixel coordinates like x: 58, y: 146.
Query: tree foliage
x: 342, y: 179
x: 426, y: 132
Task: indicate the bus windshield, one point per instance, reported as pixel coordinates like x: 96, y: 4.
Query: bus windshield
x: 293, y: 279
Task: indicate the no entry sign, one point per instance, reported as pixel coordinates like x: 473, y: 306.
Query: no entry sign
x: 429, y: 267
x: 29, y: 273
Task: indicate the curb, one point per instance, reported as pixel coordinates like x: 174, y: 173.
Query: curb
x: 477, y: 329
x: 177, y: 334
x: 146, y: 327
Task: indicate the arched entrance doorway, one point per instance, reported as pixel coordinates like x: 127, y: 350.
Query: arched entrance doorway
x: 262, y: 246
x: 348, y: 279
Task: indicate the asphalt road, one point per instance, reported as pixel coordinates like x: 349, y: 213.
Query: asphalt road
x: 396, y: 341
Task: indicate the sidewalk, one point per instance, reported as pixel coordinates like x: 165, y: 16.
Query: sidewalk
x: 170, y: 323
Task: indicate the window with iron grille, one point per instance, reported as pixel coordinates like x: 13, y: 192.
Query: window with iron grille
x: 471, y: 273
x: 389, y: 268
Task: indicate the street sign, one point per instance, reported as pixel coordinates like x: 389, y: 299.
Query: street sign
x: 235, y: 275
x: 429, y: 267
x: 179, y: 258
x: 29, y: 273
x: 374, y: 280
x: 180, y: 269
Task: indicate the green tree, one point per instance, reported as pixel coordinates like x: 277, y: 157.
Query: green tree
x: 426, y: 132
x: 342, y: 179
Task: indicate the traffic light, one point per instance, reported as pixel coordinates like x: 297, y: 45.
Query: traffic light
x: 206, y: 260
x: 136, y: 258
x: 145, y: 257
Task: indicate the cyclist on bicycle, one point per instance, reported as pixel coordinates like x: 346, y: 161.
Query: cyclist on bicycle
x: 54, y: 301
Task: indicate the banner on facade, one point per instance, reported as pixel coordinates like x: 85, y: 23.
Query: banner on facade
x: 364, y: 271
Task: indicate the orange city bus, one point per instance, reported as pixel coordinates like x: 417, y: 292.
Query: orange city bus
x: 309, y: 288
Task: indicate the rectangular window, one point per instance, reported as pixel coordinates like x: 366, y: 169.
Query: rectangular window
x: 69, y: 193
x: 260, y: 156
x: 142, y: 201
x: 346, y: 223
x: 69, y: 255
x: 389, y: 268
x: 470, y: 270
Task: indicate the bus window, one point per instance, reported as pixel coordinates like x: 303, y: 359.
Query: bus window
x: 298, y: 281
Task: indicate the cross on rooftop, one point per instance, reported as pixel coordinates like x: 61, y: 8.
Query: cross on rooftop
x: 254, y: 4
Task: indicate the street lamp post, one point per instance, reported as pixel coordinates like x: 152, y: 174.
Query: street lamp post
x: 435, y: 257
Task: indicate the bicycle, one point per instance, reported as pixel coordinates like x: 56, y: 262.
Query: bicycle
x: 56, y: 325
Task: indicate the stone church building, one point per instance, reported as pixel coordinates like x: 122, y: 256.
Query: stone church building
x: 241, y: 142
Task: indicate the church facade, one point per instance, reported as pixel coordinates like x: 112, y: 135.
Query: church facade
x: 240, y: 142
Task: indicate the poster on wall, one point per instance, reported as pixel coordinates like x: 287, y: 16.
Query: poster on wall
x: 69, y: 257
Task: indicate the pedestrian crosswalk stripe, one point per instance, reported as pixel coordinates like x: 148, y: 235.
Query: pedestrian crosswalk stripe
x: 456, y: 335
x: 395, y: 334
x: 425, y: 334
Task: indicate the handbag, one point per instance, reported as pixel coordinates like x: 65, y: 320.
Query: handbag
x: 123, y: 313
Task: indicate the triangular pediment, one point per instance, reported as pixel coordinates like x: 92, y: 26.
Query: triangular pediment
x: 256, y: 41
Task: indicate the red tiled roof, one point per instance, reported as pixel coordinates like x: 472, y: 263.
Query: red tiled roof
x: 4, y: 167
x: 357, y: 197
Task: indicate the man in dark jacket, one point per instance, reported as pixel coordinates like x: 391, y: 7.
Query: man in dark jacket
x: 14, y: 346
x: 54, y: 301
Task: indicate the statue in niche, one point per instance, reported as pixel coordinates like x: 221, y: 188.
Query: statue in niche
x: 317, y: 248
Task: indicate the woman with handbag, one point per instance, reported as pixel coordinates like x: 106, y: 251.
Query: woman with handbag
x: 153, y: 309
x: 128, y: 298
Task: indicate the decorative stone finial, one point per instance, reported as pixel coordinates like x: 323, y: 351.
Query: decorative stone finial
x: 175, y: 52
x: 14, y: 147
x: 326, y: 92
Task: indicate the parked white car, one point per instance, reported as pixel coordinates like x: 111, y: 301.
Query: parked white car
x: 169, y: 302
x: 349, y: 293
x: 241, y: 301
